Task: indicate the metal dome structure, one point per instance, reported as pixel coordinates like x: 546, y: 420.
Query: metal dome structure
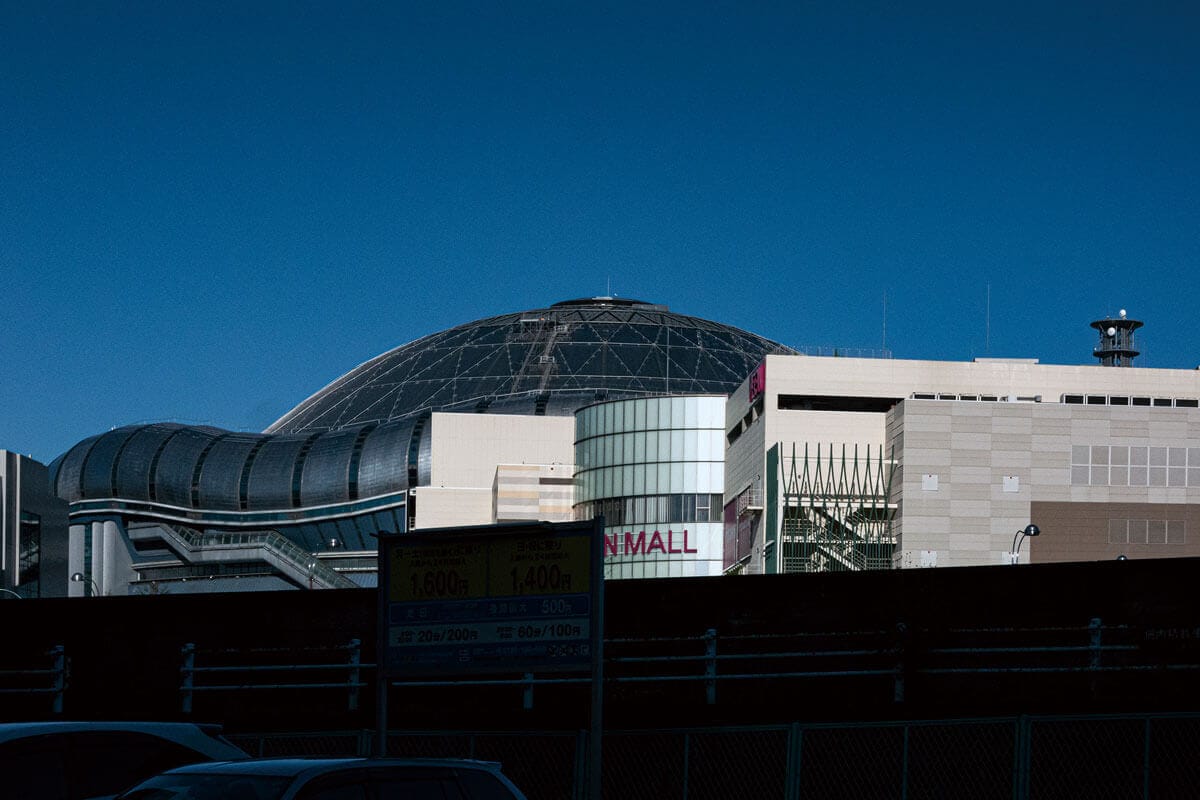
x: 546, y: 361
x: 365, y: 436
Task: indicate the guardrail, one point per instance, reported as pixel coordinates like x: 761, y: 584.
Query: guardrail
x: 56, y: 672
x: 352, y: 666
x: 708, y: 660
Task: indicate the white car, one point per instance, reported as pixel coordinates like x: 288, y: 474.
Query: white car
x: 331, y: 779
x: 83, y: 760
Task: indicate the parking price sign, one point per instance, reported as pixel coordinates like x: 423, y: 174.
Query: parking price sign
x: 506, y: 598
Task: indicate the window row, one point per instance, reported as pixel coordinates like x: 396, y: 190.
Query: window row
x: 1126, y: 400
x: 649, y: 447
x: 1142, y: 531
x: 653, y: 510
x: 650, y: 413
x: 1105, y: 465
x: 643, y: 479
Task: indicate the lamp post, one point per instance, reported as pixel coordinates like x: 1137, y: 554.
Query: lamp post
x: 79, y: 577
x: 1014, y: 555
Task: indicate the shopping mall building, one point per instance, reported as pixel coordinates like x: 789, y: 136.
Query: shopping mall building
x: 706, y: 449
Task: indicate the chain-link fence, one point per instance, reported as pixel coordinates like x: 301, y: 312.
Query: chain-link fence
x: 1042, y: 757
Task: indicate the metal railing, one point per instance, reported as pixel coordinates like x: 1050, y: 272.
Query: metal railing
x: 292, y: 558
x: 30, y: 681
x: 710, y: 659
x: 256, y: 676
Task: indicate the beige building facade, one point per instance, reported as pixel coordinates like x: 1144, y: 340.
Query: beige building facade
x: 850, y: 463
x: 487, y: 468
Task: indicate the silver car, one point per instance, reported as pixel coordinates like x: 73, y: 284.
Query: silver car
x: 331, y: 779
x: 78, y: 760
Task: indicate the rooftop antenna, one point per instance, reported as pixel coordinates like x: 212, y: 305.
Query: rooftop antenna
x: 884, y: 347
x: 1116, y: 348
x: 987, y: 335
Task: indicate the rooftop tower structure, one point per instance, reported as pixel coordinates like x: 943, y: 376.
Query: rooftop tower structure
x: 1116, y: 348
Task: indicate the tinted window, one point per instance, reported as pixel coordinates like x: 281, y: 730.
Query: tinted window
x: 72, y: 766
x: 107, y: 762
x: 337, y: 791
x: 33, y: 769
x: 418, y: 789
x: 480, y: 785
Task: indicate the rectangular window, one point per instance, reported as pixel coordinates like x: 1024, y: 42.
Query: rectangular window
x: 1118, y: 531
x: 1141, y: 401
x: 1156, y: 532
x: 1118, y: 401
x: 29, y: 556
x: 689, y: 508
x: 1176, y: 531
x: 1186, y: 402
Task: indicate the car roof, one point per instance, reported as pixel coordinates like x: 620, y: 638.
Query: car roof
x: 292, y: 767
x: 203, y: 739
x: 15, y: 730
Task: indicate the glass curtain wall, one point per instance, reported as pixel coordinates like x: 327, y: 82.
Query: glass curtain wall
x: 654, y: 468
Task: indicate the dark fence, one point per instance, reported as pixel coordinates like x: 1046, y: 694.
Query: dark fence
x: 1111, y: 756
x: 989, y: 641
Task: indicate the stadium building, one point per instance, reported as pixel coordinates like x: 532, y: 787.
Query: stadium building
x: 471, y: 425
x: 707, y: 450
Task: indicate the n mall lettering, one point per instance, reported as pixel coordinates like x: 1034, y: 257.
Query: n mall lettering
x: 641, y: 543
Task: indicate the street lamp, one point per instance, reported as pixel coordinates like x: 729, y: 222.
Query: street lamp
x: 79, y: 577
x: 1014, y: 555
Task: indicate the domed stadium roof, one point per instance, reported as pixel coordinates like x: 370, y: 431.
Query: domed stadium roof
x: 546, y: 361
x: 366, y: 435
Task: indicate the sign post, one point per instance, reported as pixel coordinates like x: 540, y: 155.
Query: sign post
x: 478, y: 601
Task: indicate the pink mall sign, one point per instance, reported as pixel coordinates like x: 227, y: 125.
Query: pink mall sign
x: 758, y: 381
x: 638, y: 544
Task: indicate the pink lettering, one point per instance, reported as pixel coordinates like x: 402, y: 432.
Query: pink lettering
x: 672, y: 542
x: 685, y: 547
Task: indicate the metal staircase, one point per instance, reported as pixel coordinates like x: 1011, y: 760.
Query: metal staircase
x: 270, y: 547
x: 836, y: 514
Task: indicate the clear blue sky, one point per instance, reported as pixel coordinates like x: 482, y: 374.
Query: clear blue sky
x: 209, y: 210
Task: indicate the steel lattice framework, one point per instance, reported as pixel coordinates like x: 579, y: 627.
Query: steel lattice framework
x: 837, y: 513
x: 546, y: 361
